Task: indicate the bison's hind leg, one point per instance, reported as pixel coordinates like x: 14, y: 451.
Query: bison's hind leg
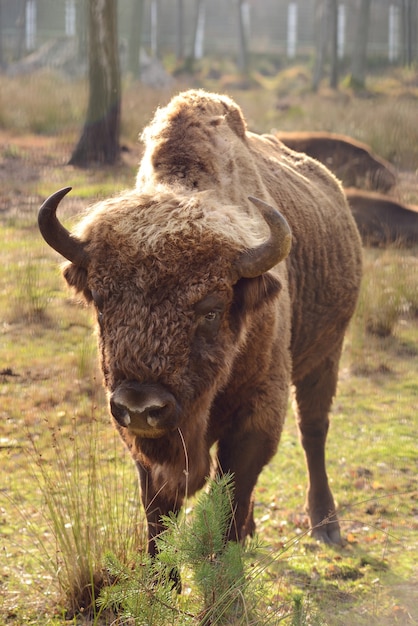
x: 314, y: 394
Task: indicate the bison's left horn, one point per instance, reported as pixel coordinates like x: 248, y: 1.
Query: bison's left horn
x: 256, y: 261
x: 56, y: 235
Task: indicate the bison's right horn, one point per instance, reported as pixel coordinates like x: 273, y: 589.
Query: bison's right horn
x: 259, y: 260
x: 56, y: 235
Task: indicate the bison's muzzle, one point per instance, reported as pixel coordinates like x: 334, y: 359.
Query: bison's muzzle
x: 148, y: 410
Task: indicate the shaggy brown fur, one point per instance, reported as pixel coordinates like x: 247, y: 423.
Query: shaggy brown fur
x: 351, y: 161
x: 382, y: 220
x: 174, y: 316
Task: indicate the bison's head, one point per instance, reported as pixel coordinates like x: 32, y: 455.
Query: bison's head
x: 174, y: 289
x: 199, y: 141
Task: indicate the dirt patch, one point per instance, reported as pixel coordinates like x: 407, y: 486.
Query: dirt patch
x: 29, y: 161
x: 24, y: 162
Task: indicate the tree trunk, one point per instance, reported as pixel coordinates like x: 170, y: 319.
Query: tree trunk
x: 197, y: 36
x: 198, y: 33
x: 1, y: 36
x: 21, y: 30
x: 333, y: 11
x: 359, y: 60
x: 154, y: 28
x: 82, y: 37
x: 407, y: 25
x: 99, y: 141
x: 180, y: 33
x: 243, y: 44
x: 135, y: 38
x: 321, y: 42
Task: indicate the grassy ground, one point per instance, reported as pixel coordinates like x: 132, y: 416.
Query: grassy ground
x: 55, y: 440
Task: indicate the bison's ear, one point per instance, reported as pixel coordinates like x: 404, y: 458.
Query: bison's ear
x: 251, y: 293
x: 236, y: 122
x: 76, y: 277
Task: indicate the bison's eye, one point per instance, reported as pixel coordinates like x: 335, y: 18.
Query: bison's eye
x: 211, y: 316
x: 209, y: 312
x: 209, y: 323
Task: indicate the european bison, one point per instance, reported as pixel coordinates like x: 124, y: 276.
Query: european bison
x: 351, y: 161
x: 206, y: 313
x: 382, y: 220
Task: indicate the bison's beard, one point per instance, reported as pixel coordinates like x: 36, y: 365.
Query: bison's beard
x: 179, y: 460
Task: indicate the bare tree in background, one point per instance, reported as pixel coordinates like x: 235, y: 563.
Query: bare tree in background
x: 180, y: 31
x: 243, y: 43
x: 1, y: 37
x: 99, y: 141
x: 326, y: 24
x: 198, y: 35
x: 135, y: 38
x: 21, y: 28
x: 154, y: 28
x: 333, y: 13
x: 321, y: 42
x: 359, y: 58
x: 81, y: 20
x: 407, y: 26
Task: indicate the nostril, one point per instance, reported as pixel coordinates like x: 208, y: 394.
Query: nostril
x: 157, y: 415
x: 132, y: 404
x: 120, y: 413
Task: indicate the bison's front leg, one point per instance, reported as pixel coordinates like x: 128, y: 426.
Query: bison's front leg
x: 156, y: 504
x: 244, y: 455
x: 314, y: 395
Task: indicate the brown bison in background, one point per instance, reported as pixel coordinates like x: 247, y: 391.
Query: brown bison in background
x: 210, y: 304
x: 382, y: 220
x: 351, y: 161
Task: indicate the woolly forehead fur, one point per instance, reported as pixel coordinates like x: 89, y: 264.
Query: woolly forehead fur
x: 144, y: 220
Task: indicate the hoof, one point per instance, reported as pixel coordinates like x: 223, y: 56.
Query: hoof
x: 328, y: 533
